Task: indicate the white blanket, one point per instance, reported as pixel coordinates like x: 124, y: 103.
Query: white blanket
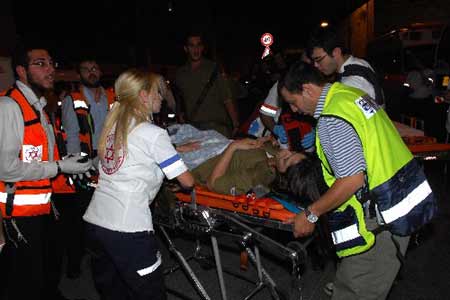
x: 212, y: 143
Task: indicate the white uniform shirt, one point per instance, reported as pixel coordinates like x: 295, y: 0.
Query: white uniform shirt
x: 273, y: 100
x: 270, y: 107
x: 358, y: 81
x: 129, y: 183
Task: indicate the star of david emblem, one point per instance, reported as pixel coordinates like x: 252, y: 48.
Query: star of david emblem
x: 109, y: 155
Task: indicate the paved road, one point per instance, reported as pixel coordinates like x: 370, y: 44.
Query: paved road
x: 425, y: 275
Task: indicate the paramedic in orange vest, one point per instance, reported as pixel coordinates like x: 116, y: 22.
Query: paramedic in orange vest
x: 84, y: 111
x: 29, y: 160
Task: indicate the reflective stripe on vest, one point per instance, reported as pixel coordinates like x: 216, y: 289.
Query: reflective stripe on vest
x: 346, y: 234
x: 268, y: 110
x: 348, y: 229
x: 402, y: 208
x: 27, y: 199
x: 79, y: 104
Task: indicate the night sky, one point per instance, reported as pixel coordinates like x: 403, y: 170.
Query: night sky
x: 114, y: 31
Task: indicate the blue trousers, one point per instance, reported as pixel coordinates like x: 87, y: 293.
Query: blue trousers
x: 125, y: 265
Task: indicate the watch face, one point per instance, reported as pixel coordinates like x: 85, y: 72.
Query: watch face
x: 312, y: 218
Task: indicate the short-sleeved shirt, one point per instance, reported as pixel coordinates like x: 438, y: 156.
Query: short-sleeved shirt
x: 339, y: 141
x: 271, y: 107
x: 273, y: 100
x: 191, y: 83
x: 129, y: 181
x: 358, y: 81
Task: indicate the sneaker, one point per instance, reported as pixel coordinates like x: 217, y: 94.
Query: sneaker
x: 328, y: 289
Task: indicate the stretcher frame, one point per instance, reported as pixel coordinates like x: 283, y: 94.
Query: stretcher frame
x: 191, y: 217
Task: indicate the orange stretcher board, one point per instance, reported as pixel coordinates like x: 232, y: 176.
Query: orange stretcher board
x: 263, y: 207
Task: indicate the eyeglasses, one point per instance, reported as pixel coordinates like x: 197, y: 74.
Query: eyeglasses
x: 44, y: 64
x: 89, y: 70
x: 319, y: 59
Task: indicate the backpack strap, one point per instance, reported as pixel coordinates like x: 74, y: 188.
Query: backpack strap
x: 205, y: 91
x: 367, y: 74
x: 10, y: 192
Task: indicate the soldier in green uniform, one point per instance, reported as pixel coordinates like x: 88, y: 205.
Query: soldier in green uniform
x: 206, y: 96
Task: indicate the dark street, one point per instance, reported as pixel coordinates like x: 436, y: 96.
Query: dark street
x: 424, y: 276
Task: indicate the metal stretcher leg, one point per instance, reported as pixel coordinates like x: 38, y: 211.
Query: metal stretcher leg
x: 208, y: 221
x: 264, y: 278
x: 184, y: 264
x: 215, y: 248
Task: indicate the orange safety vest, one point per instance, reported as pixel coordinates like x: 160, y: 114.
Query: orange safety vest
x: 60, y: 183
x: 295, y: 129
x: 31, y: 198
x: 85, y: 122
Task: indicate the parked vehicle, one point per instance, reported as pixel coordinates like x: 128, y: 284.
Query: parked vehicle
x: 401, y: 51
x: 412, y: 62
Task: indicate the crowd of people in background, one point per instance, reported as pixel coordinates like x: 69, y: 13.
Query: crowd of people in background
x: 321, y: 105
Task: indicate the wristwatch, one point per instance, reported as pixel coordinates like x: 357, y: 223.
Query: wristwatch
x: 312, y: 218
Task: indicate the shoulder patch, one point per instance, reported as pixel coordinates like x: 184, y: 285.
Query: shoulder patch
x: 31, y: 153
x: 367, y: 106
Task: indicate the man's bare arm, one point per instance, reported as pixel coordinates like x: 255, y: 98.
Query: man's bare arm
x: 268, y: 122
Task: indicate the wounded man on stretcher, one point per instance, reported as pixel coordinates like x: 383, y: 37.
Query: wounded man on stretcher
x: 234, y: 167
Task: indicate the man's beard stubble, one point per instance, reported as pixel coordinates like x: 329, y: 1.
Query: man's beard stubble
x: 36, y: 87
x: 88, y: 84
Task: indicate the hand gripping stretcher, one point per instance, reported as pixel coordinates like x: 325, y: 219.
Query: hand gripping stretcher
x: 202, y: 212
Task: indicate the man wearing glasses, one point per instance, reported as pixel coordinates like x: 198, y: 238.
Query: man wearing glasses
x: 83, y: 115
x: 29, y: 160
x: 84, y: 111
x: 331, y: 57
x: 362, y: 156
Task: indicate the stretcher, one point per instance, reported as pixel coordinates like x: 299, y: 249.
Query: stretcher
x: 266, y: 211
x: 204, y: 213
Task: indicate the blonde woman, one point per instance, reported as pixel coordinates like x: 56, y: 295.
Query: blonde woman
x: 135, y: 156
